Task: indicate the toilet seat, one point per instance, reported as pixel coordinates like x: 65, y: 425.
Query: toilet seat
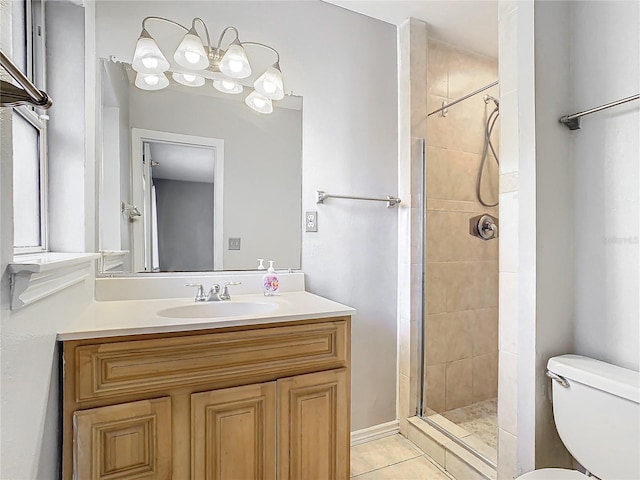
x: 553, y: 474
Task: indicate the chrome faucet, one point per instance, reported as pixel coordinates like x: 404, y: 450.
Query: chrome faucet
x: 215, y: 293
x: 225, y: 290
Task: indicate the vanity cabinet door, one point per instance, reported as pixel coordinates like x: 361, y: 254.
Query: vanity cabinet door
x: 233, y: 433
x: 313, y: 426
x: 125, y: 441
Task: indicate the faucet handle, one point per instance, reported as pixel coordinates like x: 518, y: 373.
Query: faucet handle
x: 200, y: 296
x: 225, y: 291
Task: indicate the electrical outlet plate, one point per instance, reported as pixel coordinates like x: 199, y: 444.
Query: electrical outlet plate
x: 311, y: 221
x: 234, y: 243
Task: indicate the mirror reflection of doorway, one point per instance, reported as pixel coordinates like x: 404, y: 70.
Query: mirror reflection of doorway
x: 181, y: 189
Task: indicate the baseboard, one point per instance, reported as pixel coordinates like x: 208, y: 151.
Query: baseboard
x: 375, y: 432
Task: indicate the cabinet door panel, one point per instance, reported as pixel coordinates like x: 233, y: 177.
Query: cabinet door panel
x: 233, y: 433
x: 126, y: 441
x: 313, y: 426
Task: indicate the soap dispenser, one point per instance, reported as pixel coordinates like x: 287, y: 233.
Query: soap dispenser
x: 270, y: 282
x: 261, y: 264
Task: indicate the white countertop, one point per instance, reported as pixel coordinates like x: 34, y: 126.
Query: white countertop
x: 137, y: 317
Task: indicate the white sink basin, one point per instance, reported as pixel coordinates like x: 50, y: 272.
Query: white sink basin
x: 218, y: 309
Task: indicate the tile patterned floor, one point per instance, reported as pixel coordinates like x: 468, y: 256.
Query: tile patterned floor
x: 394, y: 458
x: 479, y: 419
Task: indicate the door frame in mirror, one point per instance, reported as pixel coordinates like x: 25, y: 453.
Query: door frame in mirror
x: 140, y: 254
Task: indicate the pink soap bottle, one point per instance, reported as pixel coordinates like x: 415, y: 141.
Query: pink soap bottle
x: 270, y: 282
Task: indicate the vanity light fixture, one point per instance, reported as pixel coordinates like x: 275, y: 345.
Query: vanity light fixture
x: 188, y: 79
x: 151, y: 81
x: 259, y: 102
x: 198, y: 57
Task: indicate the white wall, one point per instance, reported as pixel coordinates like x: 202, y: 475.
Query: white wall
x: 554, y: 216
x: 344, y: 66
x: 605, y: 67
x: 29, y: 398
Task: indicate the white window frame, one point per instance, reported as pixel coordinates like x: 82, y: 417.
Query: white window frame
x: 36, y: 52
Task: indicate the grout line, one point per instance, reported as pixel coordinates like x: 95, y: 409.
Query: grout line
x: 389, y: 465
x: 417, y: 454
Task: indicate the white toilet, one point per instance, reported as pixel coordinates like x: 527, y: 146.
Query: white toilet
x: 596, y: 407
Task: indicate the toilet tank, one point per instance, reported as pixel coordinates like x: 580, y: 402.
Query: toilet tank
x: 598, y: 415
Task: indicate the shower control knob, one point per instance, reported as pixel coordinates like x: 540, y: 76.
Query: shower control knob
x: 484, y: 227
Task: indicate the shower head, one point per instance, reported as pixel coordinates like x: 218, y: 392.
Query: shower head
x: 489, y: 98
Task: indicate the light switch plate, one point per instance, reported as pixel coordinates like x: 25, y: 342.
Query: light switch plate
x: 234, y: 243
x: 311, y: 221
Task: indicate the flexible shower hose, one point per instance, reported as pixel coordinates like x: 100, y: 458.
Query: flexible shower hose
x: 491, y: 121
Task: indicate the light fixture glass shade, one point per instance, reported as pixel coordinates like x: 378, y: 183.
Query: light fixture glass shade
x: 235, y: 63
x: 227, y: 86
x: 269, y: 84
x: 151, y: 81
x: 259, y: 102
x: 147, y: 57
x: 190, y: 53
x: 188, y: 79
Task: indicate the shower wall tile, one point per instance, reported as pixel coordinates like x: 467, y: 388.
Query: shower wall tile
x: 470, y: 285
x: 448, y: 239
x: 438, y: 70
x: 508, y: 239
x: 435, y: 387
x: 437, y: 127
x: 485, y: 377
x: 451, y: 174
x: 436, y: 338
x: 458, y: 337
x: 459, y: 384
x: 483, y: 326
x: 459, y: 206
x: 509, y: 182
x: 435, y: 293
x: 509, y: 141
x: 508, y: 393
x: 508, y: 312
x: 468, y: 72
x: 461, y: 277
x: 465, y: 126
x: 507, y: 455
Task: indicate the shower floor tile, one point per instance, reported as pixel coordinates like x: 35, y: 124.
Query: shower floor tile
x: 479, y: 419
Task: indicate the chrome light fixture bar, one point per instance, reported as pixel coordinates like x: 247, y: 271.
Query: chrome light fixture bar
x: 196, y: 57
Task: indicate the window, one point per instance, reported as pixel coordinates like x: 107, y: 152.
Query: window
x: 29, y: 132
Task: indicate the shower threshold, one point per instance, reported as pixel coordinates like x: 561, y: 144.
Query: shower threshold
x: 468, y: 442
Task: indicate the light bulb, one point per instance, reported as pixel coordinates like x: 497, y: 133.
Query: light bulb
x: 234, y: 62
x: 147, y: 57
x: 269, y: 87
x: 227, y: 86
x: 191, y: 53
x: 192, y: 57
x: 151, y: 80
x: 150, y: 62
x: 235, y: 66
x: 259, y: 103
x: 269, y: 84
x: 188, y: 79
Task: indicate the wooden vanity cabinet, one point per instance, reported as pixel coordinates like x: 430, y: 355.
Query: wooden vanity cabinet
x: 246, y: 403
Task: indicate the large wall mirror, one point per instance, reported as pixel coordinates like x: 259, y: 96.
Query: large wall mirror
x: 192, y: 179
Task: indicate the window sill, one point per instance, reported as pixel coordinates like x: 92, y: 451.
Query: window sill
x: 37, y: 276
